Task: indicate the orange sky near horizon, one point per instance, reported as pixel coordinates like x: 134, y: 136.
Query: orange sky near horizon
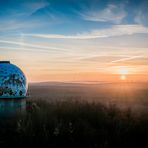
x: 90, y: 65
x: 78, y: 77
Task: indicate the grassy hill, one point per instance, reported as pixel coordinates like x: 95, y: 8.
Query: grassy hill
x: 72, y: 124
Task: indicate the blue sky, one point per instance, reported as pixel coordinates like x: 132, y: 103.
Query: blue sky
x: 47, y: 38
x: 69, y: 16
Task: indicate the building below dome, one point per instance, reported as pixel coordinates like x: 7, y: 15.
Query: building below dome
x: 13, y: 83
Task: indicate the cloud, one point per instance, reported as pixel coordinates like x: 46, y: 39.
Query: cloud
x: 102, y: 58
x: 141, y: 17
x: 20, y: 18
x: 112, y: 13
x: 32, y: 45
x: 142, y: 14
x: 133, y: 61
x: 37, y: 5
x: 17, y: 25
x: 116, y: 30
x: 32, y: 7
x: 126, y: 59
x: 24, y: 9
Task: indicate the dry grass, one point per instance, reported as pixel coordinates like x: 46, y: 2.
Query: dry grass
x: 74, y: 124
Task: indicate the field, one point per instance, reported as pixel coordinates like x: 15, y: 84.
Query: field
x: 122, y: 95
x: 86, y: 115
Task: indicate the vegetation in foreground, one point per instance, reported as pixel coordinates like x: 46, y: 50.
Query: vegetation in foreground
x: 74, y: 124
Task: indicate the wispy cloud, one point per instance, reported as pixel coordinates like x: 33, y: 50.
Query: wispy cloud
x: 33, y: 7
x: 20, y: 18
x: 112, y: 13
x: 141, y: 17
x: 32, y: 45
x: 102, y: 58
x: 28, y: 8
x: 142, y: 14
x: 116, y: 30
x: 16, y: 25
x: 126, y: 59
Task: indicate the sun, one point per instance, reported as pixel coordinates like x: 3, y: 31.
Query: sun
x: 123, y: 71
x: 122, y: 77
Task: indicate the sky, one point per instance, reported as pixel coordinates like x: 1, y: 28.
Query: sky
x: 76, y: 40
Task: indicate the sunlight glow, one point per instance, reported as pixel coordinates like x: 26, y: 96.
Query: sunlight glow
x: 123, y: 70
x: 123, y: 77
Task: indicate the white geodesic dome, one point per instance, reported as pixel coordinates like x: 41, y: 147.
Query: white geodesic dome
x: 13, y: 83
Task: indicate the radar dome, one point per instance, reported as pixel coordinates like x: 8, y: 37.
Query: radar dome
x: 13, y: 83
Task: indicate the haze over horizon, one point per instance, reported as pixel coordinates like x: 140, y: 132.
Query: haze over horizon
x: 76, y: 40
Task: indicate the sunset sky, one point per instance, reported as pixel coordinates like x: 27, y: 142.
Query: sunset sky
x: 76, y: 40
